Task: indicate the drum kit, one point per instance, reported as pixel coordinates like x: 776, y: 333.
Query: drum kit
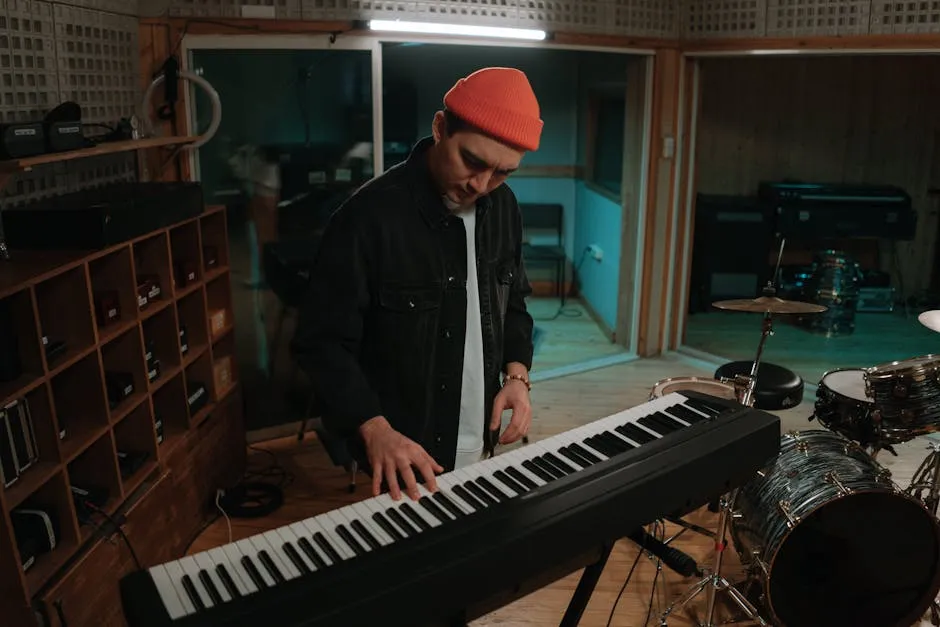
x: 825, y: 535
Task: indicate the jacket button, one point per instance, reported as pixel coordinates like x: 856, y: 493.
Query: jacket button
x: 447, y: 333
x: 443, y: 386
x: 451, y: 279
x: 411, y: 304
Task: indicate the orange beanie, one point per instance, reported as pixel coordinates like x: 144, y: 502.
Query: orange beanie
x: 500, y: 102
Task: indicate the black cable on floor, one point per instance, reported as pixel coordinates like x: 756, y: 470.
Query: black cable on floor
x: 626, y: 582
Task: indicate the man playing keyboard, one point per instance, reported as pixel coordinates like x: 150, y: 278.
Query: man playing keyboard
x: 415, y: 332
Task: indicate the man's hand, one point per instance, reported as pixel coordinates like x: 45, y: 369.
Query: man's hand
x: 390, y: 453
x: 514, y: 396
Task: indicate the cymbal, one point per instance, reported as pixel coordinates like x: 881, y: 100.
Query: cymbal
x: 770, y: 304
x: 931, y: 319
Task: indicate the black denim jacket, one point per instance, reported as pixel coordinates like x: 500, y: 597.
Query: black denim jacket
x: 382, y: 331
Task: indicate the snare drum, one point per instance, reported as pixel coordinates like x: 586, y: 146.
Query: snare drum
x: 695, y: 384
x: 842, y: 405
x: 907, y: 395
x: 832, y: 541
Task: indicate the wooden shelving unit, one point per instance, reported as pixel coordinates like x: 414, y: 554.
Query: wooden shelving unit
x: 108, y: 148
x: 124, y: 366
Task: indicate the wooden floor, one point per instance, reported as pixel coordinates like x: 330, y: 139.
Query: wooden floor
x: 559, y: 405
x: 878, y: 338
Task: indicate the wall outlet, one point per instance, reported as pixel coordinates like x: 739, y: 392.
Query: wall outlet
x: 596, y: 252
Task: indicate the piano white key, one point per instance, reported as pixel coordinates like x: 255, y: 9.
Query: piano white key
x: 335, y: 519
x: 323, y: 524
x: 348, y: 516
x: 385, y: 502
x: 233, y: 552
x: 168, y: 593
x: 267, y: 542
x: 219, y: 556
x: 288, y: 535
x: 249, y: 550
x: 176, y: 572
x: 207, y: 564
x: 191, y: 568
x: 364, y: 513
x: 445, y: 485
x: 423, y: 513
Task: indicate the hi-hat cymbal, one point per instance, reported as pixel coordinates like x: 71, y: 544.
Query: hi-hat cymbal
x: 770, y: 304
x: 931, y: 319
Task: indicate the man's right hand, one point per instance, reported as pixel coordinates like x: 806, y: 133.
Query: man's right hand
x: 391, y: 453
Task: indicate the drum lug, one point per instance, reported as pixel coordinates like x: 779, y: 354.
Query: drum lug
x: 784, y: 507
x: 832, y: 478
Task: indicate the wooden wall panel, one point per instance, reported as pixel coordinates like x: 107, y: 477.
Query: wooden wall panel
x: 868, y: 119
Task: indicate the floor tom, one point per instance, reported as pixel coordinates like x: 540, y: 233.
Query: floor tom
x: 907, y: 396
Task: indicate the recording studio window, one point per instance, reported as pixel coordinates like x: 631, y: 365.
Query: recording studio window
x: 606, y: 155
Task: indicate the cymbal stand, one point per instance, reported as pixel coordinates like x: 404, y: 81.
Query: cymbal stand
x: 927, y: 479
x: 715, y: 581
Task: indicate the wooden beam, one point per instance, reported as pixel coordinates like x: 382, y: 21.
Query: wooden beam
x: 239, y: 26
x: 927, y: 41
x: 658, y: 244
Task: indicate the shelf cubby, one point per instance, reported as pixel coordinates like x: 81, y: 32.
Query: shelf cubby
x: 55, y: 499
x: 125, y: 375
x: 20, y: 352
x: 199, y: 375
x: 113, y: 290
x: 224, y: 366
x: 219, y: 306
x: 161, y: 346
x: 66, y: 293
x: 95, y: 483
x: 80, y: 407
x: 152, y: 263
x: 39, y: 411
x: 191, y: 312
x: 135, y: 443
x: 214, y: 236
x: 169, y: 407
x: 186, y: 257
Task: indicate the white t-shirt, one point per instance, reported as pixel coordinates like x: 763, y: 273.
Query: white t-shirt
x: 472, y: 405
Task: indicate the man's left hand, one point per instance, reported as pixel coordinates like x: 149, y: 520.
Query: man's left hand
x: 514, y: 396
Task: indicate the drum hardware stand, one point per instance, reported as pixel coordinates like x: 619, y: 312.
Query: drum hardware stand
x: 715, y: 581
x: 927, y: 479
x: 687, y: 526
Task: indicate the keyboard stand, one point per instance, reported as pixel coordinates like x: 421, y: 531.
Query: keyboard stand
x: 582, y: 594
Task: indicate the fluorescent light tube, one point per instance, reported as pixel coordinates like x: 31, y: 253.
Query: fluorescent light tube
x: 431, y: 28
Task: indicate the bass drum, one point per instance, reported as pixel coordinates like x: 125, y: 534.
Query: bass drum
x: 712, y: 387
x: 832, y: 541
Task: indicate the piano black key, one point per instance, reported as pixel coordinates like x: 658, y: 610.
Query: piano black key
x: 295, y: 558
x: 311, y: 552
x: 621, y: 445
x: 253, y: 572
x: 510, y: 482
x: 516, y: 474
x: 685, y: 414
x: 485, y: 483
x: 448, y: 504
x: 435, y: 511
x: 387, y: 526
x: 567, y: 452
x: 652, y: 426
x: 635, y: 434
x: 548, y: 467
x: 480, y: 493
x: 584, y: 453
x: 193, y: 593
x: 706, y: 408
x: 562, y: 465
x: 270, y: 566
x: 349, y: 539
x: 602, y: 447
x: 324, y: 544
x: 536, y: 470
x: 365, y: 534
x: 206, y: 581
x: 227, y: 581
x: 415, y: 517
x: 401, y: 521
x: 468, y: 498
x: 666, y: 422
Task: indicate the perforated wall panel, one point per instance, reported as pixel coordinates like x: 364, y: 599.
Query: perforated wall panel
x: 702, y: 19
x: 905, y: 17
x: 786, y: 18
x: 54, y: 52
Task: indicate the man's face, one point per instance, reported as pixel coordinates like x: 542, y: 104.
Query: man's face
x: 469, y: 165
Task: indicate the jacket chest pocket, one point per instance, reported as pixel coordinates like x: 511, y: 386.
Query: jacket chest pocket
x: 409, y: 315
x: 504, y: 276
